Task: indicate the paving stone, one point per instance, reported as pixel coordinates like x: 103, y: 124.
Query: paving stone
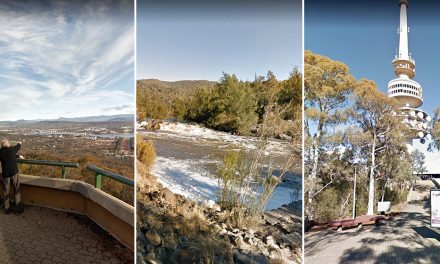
x: 42, y: 235
x: 408, y: 238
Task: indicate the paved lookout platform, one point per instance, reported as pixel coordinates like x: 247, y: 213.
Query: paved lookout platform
x: 67, y: 221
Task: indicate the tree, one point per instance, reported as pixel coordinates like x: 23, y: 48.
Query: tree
x: 374, y: 112
x: 435, y: 124
x: 327, y: 85
x: 230, y: 106
x: 291, y: 94
x: 418, y: 162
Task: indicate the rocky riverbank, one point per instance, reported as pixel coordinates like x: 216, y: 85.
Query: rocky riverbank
x: 172, y: 229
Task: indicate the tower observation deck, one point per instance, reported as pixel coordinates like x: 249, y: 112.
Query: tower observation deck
x: 408, y: 92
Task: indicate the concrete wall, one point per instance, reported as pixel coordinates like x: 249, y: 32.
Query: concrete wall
x: 112, y: 214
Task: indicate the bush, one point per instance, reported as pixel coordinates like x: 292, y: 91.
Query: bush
x: 326, y: 206
x: 145, y: 152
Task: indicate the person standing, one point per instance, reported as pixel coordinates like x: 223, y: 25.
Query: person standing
x: 8, y: 159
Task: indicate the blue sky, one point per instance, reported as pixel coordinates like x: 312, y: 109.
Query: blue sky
x: 363, y: 35
x: 190, y: 40
x: 66, y: 58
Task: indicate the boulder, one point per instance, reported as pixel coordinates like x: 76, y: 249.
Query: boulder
x: 241, y: 257
x: 153, y: 238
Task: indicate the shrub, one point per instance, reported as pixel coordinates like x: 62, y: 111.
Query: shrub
x: 145, y: 152
x: 326, y: 206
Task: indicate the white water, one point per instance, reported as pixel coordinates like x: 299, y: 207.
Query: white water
x: 188, y: 157
x: 200, y: 134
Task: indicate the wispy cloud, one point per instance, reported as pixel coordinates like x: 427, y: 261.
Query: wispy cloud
x: 62, y: 57
x: 118, y: 108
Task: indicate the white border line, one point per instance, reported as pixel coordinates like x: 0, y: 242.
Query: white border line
x: 302, y: 122
x: 134, y: 130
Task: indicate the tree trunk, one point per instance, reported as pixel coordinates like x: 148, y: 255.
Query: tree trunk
x: 384, y: 189
x: 314, y: 172
x: 371, y: 189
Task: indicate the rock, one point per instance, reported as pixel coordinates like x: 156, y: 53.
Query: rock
x: 164, y: 253
x: 168, y: 196
x: 249, y: 258
x: 184, y: 256
x: 153, y: 237
x: 248, y: 240
x: 283, y: 136
x: 150, y: 260
x: 268, y: 239
x: 140, y: 260
x: 142, y: 237
x: 223, y: 231
x: 150, y: 248
x: 236, y: 240
x: 212, y: 205
x: 235, y: 230
x: 248, y: 234
x: 183, y: 240
x: 140, y: 247
x: 275, y: 253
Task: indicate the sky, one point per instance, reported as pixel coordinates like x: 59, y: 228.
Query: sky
x: 66, y: 58
x: 363, y: 35
x: 198, y: 40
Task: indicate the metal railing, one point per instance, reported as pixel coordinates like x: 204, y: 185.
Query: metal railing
x: 61, y: 164
x: 99, y: 173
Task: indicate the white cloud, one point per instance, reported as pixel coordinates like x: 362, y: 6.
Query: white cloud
x: 62, y: 54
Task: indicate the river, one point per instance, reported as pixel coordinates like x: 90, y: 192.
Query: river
x: 189, y: 156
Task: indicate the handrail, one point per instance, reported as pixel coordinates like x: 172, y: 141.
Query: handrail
x: 100, y: 172
x: 61, y: 164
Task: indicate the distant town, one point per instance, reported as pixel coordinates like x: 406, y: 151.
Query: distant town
x: 106, y: 144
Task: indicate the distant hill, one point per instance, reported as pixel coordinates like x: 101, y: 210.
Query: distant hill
x: 162, y: 99
x: 177, y: 87
x: 85, y: 119
x: 101, y: 118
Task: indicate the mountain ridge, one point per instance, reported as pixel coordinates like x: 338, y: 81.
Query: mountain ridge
x: 83, y: 119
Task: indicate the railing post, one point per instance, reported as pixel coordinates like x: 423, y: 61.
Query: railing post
x: 63, y: 172
x: 98, y: 181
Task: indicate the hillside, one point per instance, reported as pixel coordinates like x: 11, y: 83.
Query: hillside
x: 162, y: 99
x: 65, y: 120
x: 181, y: 87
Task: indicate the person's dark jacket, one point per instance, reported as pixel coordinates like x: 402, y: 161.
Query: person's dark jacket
x: 8, y: 159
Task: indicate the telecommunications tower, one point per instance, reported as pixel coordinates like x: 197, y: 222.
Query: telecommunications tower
x: 407, y: 92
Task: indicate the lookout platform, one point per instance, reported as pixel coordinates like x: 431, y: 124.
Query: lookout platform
x: 66, y: 221
x: 43, y: 235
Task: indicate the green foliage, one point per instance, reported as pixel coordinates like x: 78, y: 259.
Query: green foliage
x: 373, y: 142
x: 229, y: 105
x: 327, y: 206
x: 418, y: 161
x: 159, y: 99
x: 291, y: 94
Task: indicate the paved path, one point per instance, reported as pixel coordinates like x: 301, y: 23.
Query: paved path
x: 42, y: 235
x: 408, y: 238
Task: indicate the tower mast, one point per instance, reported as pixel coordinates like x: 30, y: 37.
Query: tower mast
x: 408, y: 92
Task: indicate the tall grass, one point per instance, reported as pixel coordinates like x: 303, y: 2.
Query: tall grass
x: 247, y: 182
